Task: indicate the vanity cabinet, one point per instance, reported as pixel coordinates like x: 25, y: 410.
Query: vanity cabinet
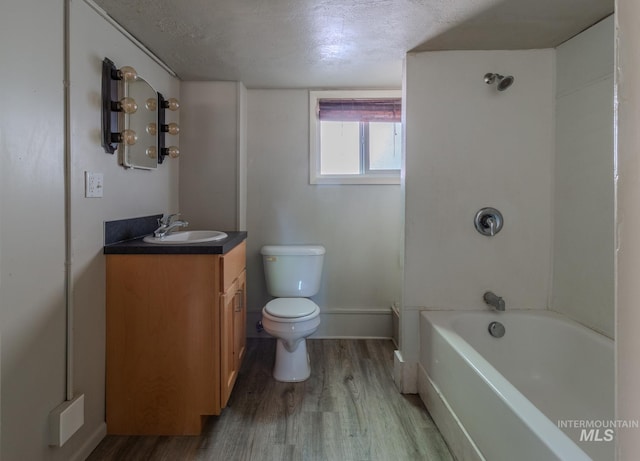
x: 175, y: 339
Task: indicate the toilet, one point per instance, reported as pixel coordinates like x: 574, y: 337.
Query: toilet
x: 292, y: 274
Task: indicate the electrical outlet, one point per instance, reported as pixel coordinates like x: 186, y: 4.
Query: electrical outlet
x: 93, y: 184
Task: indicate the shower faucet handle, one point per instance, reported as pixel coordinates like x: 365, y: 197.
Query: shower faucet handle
x: 488, y: 221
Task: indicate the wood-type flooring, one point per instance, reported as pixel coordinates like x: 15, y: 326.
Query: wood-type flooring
x: 348, y: 410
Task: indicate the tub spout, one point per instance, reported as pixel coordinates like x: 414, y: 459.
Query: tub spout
x: 494, y: 301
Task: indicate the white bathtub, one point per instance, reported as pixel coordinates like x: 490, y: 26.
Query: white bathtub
x: 503, y: 399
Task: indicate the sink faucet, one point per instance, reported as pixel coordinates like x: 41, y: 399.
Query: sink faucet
x: 167, y: 224
x: 494, y: 301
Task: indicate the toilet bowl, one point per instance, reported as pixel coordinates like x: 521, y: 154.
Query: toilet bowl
x: 292, y: 273
x: 292, y: 359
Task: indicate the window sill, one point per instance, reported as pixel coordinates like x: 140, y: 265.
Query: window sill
x: 356, y: 179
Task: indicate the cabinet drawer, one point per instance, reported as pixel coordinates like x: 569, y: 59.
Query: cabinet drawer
x: 232, y: 264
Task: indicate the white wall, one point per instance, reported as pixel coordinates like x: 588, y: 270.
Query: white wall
x: 213, y: 155
x: 360, y: 226
x: 469, y: 146
x: 32, y: 243
x: 32, y: 307
x: 583, y: 250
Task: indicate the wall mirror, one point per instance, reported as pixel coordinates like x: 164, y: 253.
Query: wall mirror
x: 134, y: 118
x: 143, y: 122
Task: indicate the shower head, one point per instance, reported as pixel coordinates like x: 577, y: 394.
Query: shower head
x: 503, y: 82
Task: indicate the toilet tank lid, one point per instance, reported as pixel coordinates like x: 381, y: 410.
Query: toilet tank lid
x: 292, y: 250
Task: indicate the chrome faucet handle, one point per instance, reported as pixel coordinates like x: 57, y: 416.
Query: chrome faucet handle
x: 488, y: 221
x: 166, y: 220
x: 491, y: 224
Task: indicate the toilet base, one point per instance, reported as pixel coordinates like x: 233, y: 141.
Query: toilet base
x: 293, y: 366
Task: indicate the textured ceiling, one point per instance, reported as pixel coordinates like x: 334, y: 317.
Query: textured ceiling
x: 337, y: 43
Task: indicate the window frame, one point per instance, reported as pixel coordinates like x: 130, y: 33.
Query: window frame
x: 368, y: 176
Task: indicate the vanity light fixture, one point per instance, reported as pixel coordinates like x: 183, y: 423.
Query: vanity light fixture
x: 129, y: 118
x: 171, y: 104
x: 127, y: 73
x: 171, y: 128
x: 151, y: 104
x: 112, y: 105
x: 152, y: 152
x: 126, y: 105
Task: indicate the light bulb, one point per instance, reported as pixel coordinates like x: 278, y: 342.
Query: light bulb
x: 151, y: 104
x: 128, y: 73
x: 152, y: 129
x: 171, y: 104
x: 171, y: 128
x: 152, y: 152
x: 128, y: 105
x: 173, y: 151
x: 129, y: 137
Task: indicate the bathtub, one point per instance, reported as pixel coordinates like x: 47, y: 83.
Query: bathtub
x: 507, y: 398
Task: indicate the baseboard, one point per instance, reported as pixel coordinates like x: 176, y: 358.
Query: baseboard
x: 341, y: 323
x: 458, y: 440
x: 65, y: 420
x: 91, y: 443
x: 404, y: 374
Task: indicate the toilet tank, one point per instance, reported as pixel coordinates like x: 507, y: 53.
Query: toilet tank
x: 292, y: 271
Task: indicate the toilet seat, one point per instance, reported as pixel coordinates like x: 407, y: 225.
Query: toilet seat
x: 291, y: 309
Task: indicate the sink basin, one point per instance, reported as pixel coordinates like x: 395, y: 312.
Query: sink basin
x: 185, y: 237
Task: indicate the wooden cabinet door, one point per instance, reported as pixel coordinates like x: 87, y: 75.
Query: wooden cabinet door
x: 162, y: 348
x: 228, y: 371
x: 233, y: 317
x: 240, y: 320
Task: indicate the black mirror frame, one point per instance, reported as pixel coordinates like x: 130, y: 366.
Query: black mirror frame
x: 110, y: 80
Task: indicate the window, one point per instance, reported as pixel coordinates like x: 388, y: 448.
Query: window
x: 355, y: 137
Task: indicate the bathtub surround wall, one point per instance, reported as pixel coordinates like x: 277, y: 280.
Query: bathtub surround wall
x: 583, y: 222
x: 583, y: 239
x: 32, y: 229
x: 360, y: 226
x: 628, y: 226
x: 469, y: 146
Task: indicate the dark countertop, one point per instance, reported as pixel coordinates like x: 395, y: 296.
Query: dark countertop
x: 137, y: 246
